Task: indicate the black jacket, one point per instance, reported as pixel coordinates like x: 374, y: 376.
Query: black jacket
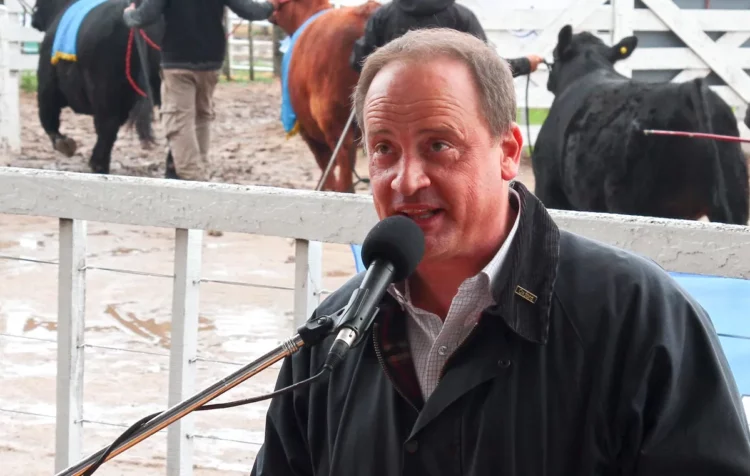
x: 594, y: 362
x: 399, y: 16
x: 194, y: 35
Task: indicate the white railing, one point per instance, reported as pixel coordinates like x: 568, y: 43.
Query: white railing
x: 308, y: 217
x: 12, y: 64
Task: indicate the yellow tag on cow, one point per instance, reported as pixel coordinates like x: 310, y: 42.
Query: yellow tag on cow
x: 623, y: 50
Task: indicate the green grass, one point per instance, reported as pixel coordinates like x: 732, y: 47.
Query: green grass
x: 28, y: 81
x: 536, y: 116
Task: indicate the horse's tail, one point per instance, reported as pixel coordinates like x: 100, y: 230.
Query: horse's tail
x: 141, y: 117
x: 720, y: 210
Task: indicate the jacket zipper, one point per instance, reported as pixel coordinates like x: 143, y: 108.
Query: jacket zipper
x: 376, y: 344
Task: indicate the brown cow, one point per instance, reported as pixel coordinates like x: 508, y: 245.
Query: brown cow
x: 321, y: 81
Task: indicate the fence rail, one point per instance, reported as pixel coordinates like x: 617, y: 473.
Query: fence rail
x: 308, y: 217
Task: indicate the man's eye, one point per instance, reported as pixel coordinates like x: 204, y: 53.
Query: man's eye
x: 382, y: 149
x: 438, y: 146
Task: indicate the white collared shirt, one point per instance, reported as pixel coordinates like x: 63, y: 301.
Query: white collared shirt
x: 432, y: 341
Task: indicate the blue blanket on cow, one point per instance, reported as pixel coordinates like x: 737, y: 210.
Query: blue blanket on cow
x: 66, y: 36
x: 288, y: 116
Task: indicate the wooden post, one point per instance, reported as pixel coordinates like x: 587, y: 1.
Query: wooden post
x: 307, y: 279
x: 276, y: 54
x: 622, y: 26
x: 183, y: 346
x: 251, y: 53
x: 227, y: 65
x: 71, y: 305
x: 10, y: 116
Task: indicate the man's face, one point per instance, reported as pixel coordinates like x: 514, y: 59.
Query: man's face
x: 432, y: 158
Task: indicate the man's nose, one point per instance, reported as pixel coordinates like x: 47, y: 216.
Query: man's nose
x: 411, y: 176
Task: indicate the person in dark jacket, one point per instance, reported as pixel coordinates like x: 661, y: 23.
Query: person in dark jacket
x: 192, y: 53
x: 399, y: 16
x: 516, y: 348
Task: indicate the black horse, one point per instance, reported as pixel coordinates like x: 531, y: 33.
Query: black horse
x: 97, y: 83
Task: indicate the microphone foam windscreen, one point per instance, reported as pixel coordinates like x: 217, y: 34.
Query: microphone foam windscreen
x: 396, y: 239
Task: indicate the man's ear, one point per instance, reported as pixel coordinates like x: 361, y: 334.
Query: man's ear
x: 623, y: 49
x: 511, y: 144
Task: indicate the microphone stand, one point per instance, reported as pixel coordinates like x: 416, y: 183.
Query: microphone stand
x: 308, y: 334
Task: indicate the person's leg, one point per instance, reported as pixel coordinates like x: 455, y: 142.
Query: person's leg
x: 178, y: 117
x: 204, y: 113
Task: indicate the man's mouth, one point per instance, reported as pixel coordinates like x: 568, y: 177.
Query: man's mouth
x: 422, y: 216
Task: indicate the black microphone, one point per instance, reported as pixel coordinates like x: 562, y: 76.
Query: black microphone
x: 391, y: 252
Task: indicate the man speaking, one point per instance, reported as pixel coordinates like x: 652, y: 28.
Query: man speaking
x: 516, y: 348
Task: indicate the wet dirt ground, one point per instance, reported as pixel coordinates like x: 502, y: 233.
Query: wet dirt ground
x: 127, y: 331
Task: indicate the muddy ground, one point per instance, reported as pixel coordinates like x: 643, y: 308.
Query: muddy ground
x: 249, y: 145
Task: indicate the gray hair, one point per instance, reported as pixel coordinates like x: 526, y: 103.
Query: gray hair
x: 492, y: 74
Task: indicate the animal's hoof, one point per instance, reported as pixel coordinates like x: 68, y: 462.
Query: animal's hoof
x: 66, y: 145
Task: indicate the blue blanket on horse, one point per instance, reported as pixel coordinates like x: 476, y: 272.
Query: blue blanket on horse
x: 64, y: 46
x: 288, y: 116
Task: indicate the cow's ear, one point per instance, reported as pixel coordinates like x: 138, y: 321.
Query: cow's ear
x: 564, y: 41
x: 624, y: 48
x: 565, y: 37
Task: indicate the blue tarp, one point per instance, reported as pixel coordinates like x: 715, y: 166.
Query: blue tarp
x: 727, y: 302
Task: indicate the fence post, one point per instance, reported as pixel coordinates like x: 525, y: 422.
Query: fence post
x: 622, y: 26
x: 276, y: 34
x: 228, y: 28
x: 251, y: 53
x: 10, y: 129
x: 307, y: 279
x: 183, y: 346
x: 71, y: 302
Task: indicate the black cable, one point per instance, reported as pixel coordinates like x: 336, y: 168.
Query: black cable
x: 327, y: 367
x: 528, y: 121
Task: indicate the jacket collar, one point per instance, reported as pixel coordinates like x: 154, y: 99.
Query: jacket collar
x: 523, y: 288
x: 523, y: 292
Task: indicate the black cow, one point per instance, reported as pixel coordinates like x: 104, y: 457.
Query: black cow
x: 591, y: 153
x: 96, y: 84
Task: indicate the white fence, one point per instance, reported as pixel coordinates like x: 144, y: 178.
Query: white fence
x: 12, y: 64
x: 243, y: 55
x: 306, y: 216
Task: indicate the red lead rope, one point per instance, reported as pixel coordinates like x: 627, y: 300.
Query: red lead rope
x: 129, y: 54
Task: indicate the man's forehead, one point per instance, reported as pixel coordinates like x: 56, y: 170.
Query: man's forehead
x: 442, y: 74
